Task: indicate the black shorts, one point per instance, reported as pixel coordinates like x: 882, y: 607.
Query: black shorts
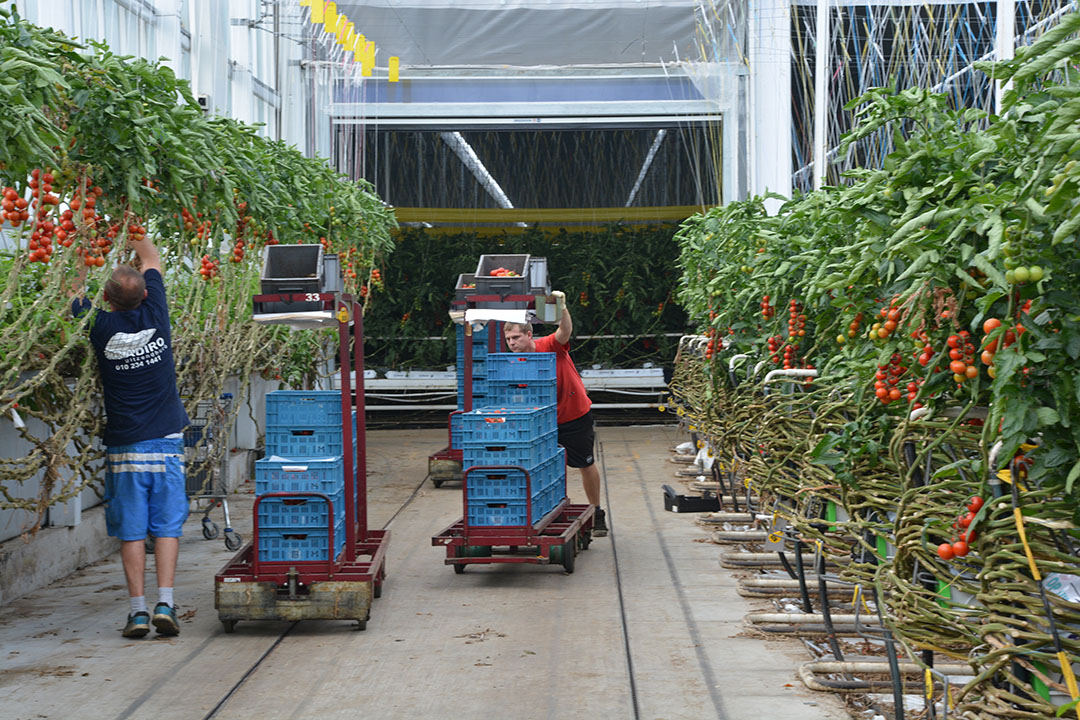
x: 578, y: 437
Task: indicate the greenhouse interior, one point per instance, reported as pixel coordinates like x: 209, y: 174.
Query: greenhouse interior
x: 381, y: 315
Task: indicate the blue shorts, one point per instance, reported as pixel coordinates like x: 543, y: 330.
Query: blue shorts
x: 144, y: 489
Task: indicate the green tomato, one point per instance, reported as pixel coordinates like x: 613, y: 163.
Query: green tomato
x: 1011, y: 263
x: 1035, y: 273
x: 1010, y: 277
x: 1021, y: 274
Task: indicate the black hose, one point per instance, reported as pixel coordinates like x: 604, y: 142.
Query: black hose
x: 803, y: 591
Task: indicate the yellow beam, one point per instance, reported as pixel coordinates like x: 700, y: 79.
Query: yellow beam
x: 514, y: 229
x: 515, y: 215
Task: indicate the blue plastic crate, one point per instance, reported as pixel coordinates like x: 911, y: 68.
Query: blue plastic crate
x: 496, y: 513
x: 479, y: 386
x: 499, y: 485
x: 478, y: 399
x: 312, y: 441
x: 521, y: 366
x: 479, y: 367
x: 526, y: 453
x: 488, y: 513
x: 299, y: 544
x: 455, y: 430
x: 325, y: 475
x: 512, y: 392
x: 303, y: 408
x: 513, y: 423
x: 479, y: 338
x: 300, y: 512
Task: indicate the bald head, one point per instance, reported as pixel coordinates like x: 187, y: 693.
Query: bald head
x: 126, y: 288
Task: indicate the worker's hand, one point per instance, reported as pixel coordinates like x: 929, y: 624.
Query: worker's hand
x: 556, y: 296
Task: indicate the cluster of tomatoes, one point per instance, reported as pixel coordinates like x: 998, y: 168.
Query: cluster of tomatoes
x: 767, y: 310
x: 962, y: 357
x: 195, y: 223
x: 887, y: 378
x: 853, y: 329
x: 990, y: 347
x: 14, y: 207
x: 796, y: 322
x: 890, y: 317
x: 965, y: 536
x: 503, y: 272
x: 209, y: 269
x: 241, y: 230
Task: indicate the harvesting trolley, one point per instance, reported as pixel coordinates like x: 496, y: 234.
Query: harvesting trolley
x: 342, y: 586
x: 547, y: 535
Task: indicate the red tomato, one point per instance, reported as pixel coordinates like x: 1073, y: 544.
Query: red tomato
x: 960, y: 548
x: 975, y: 504
x: 945, y: 551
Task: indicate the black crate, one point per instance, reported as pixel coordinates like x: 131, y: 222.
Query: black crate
x: 689, y: 503
x: 502, y: 286
x: 291, y: 269
x: 460, y: 291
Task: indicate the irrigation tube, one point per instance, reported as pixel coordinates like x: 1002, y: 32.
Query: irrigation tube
x: 794, y: 372
x: 808, y: 675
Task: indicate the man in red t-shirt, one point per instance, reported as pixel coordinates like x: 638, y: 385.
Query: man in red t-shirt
x: 574, y: 414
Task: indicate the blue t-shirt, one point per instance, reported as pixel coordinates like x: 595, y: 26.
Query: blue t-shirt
x: 134, y: 354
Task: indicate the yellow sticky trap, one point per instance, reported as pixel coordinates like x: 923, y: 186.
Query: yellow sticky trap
x: 1006, y: 476
x: 393, y: 64
x: 331, y: 16
x: 318, y: 12
x: 305, y: 3
x: 928, y: 679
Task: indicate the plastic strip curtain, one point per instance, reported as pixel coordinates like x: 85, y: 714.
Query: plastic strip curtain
x: 873, y: 44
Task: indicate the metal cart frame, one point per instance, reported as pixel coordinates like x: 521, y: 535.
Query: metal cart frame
x: 341, y: 587
x: 201, y: 441
x: 554, y: 538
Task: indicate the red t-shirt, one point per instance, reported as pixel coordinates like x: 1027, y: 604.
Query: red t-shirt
x: 570, y: 394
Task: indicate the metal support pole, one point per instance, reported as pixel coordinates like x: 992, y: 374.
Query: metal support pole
x: 821, y: 92
x: 342, y: 309
x: 361, y: 423
x: 1006, y: 44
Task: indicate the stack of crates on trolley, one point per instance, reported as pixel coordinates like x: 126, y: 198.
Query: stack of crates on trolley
x: 515, y: 434
x: 304, y: 453
x: 479, y: 376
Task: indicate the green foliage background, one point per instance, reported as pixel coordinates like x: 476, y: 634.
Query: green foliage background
x: 617, y: 280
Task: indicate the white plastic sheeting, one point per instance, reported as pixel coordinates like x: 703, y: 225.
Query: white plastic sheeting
x: 526, y: 33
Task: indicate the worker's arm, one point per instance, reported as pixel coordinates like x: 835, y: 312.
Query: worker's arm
x: 566, y: 325
x: 147, y: 252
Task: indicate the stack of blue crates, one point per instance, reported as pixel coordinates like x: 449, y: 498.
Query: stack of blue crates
x: 479, y: 366
x: 518, y: 427
x: 305, y: 453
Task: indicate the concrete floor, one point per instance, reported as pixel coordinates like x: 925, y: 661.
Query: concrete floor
x: 524, y: 641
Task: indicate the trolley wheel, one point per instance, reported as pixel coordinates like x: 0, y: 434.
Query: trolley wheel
x: 361, y: 624
x: 209, y: 528
x: 230, y: 625
x: 584, y: 539
x: 569, y: 552
x: 376, y: 591
x: 233, y: 540
x: 436, y: 483
x: 150, y: 540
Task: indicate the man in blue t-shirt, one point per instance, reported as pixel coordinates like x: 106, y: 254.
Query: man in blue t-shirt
x: 144, y: 472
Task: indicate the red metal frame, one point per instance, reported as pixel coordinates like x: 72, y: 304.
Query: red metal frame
x: 360, y: 541
x: 556, y: 528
